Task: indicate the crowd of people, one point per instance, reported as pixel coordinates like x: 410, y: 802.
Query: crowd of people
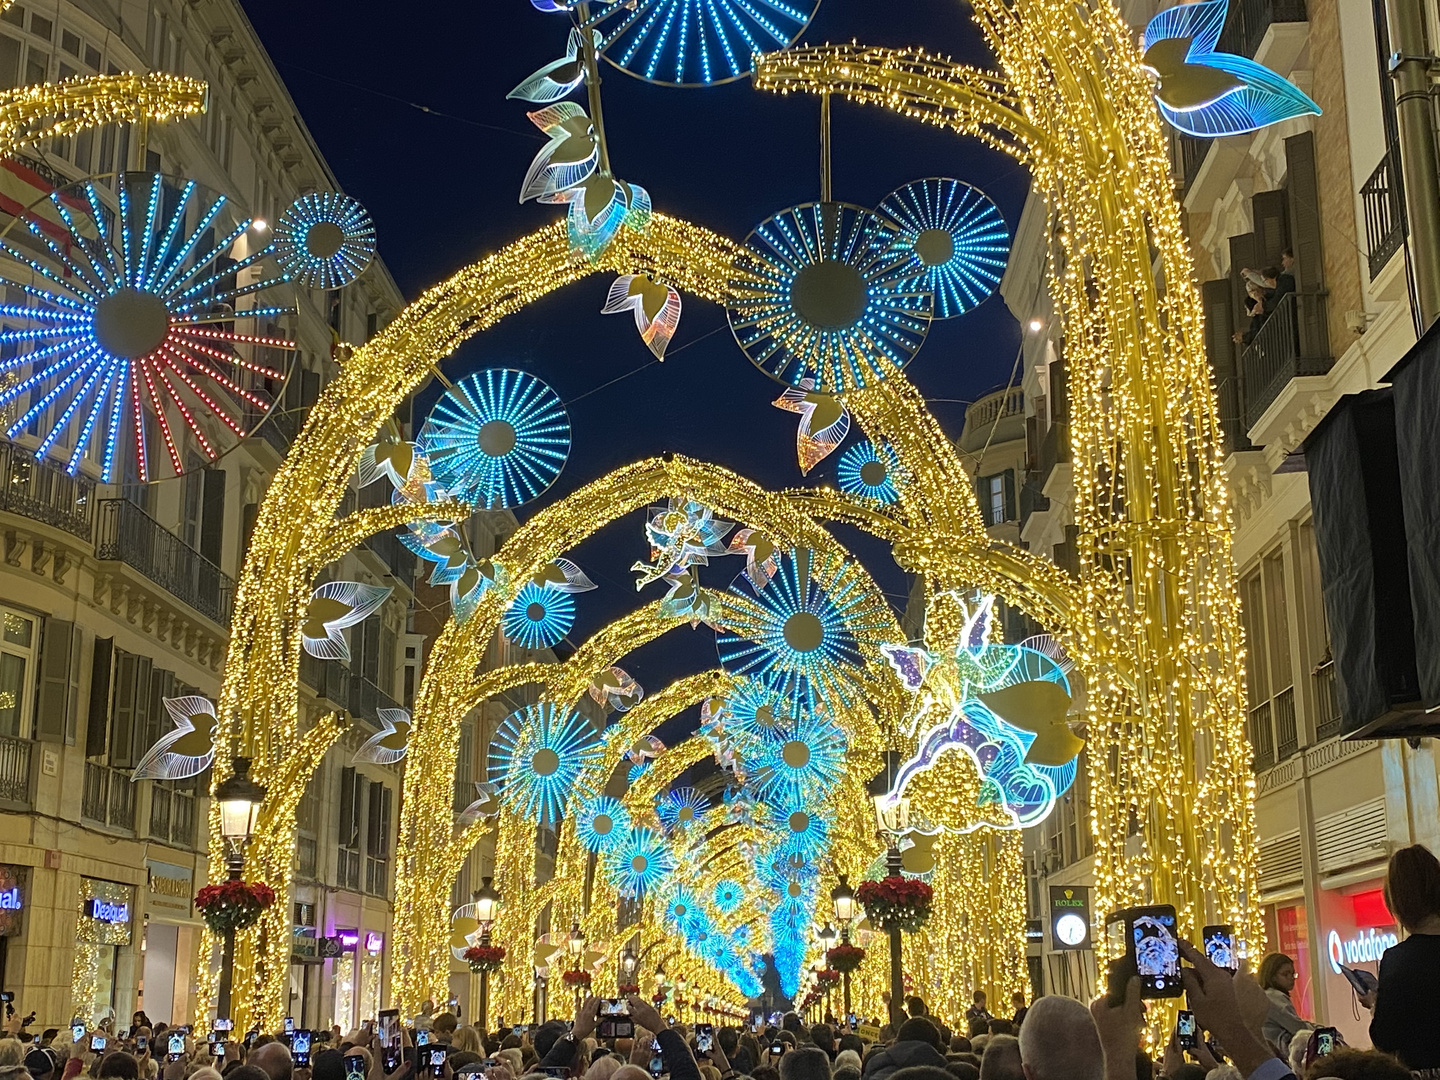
x: 1264, y: 289
x: 1248, y: 1029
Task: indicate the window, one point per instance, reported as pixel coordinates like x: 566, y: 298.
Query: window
x: 347, y: 867
x: 996, y: 496
x: 377, y: 840
x: 18, y: 639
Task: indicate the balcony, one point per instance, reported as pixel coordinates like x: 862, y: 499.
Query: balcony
x: 347, y: 870
x: 1383, y: 196
x: 307, y: 856
x: 1292, y: 343
x: 377, y: 877
x: 44, y: 492
x: 1273, y: 732
x: 1262, y: 737
x: 172, y: 816
x: 1250, y: 19
x: 1054, y: 450
x: 127, y: 534
x: 1328, y: 720
x: 108, y: 797
x: 1232, y: 429
x: 15, y: 770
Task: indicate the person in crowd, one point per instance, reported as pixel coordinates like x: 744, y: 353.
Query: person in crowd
x: 915, y: 1006
x: 805, y: 1063
x: 603, y: 1068
x: 42, y: 1063
x: 963, y: 1070
x: 824, y: 1039
x: 274, y: 1060
x: 1350, y: 1064
x: 1017, y: 1004
x: 1059, y: 1042
x: 1258, y: 308
x: 444, y: 1027
x: 1404, y: 1003
x: 977, y: 1009
x: 119, y: 1065
x: 1002, y: 1059
x: 512, y: 1057
x: 1277, y: 978
x: 1000, y: 1026
x: 139, y: 1020
x: 916, y: 1043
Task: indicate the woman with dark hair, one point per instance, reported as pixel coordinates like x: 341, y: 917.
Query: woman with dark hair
x: 1404, y: 1002
x: 1277, y: 979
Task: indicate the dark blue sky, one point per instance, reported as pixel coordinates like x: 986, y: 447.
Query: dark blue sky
x: 442, y: 187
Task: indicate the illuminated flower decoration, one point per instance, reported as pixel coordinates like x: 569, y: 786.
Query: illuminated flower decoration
x: 754, y: 708
x: 824, y: 292
x: 681, y: 807
x: 824, y: 422
x: 616, y: 688
x: 188, y: 749
x: 644, y: 749
x: 134, y: 344
x: 656, y: 308
x: 553, y: 5
x: 598, y: 207
x: 538, y: 618
x: 797, y: 763
x: 1207, y: 93
x: 390, y: 455
x: 687, y: 599
x: 729, y: 895
x: 870, y: 470
x: 570, y: 156
x: 639, y: 862
x: 539, y: 759
x: 713, y: 729
x: 325, y: 240
x: 441, y: 544
x: 959, y: 240
x: 685, y: 533
x: 474, y: 580
x: 333, y: 607
x: 486, y: 804
x: 497, y: 438
x: 562, y: 575
x: 802, y: 833
x: 683, y: 43
x: 387, y: 746
x: 601, y: 823
x: 760, y: 564
x: 557, y: 78
x: 681, y: 904
x: 803, y: 633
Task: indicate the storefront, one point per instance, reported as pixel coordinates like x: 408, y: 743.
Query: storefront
x: 14, y: 892
x: 104, y: 927
x: 171, y: 936
x: 1355, y: 930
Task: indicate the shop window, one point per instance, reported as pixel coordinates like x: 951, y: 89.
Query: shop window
x: 19, y: 636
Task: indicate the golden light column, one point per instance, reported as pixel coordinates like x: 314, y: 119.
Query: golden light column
x: 1168, y: 744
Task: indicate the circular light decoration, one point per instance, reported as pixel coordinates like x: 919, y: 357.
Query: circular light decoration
x: 685, y: 43
x: 639, y: 862
x: 799, y: 763
x: 806, y: 633
x: 325, y: 240
x: 803, y: 832
x: 729, y: 895
x: 538, y: 618
x: 681, y: 807
x: 824, y: 291
x: 497, y: 438
x: 539, y: 757
x: 958, y: 239
x: 753, y: 708
x: 681, y: 905
x: 601, y: 823
x: 138, y: 350
x: 870, y: 469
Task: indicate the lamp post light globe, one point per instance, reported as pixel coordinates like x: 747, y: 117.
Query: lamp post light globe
x: 239, y: 799
x: 576, y: 941
x: 827, y: 935
x: 629, y: 962
x: 487, y: 907
x: 842, y: 899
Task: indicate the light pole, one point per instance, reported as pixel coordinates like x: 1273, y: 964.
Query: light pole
x: 239, y: 799
x: 487, y: 907
x: 842, y: 898
x: 628, y: 963
x: 576, y: 944
x: 827, y: 937
x: 892, y: 817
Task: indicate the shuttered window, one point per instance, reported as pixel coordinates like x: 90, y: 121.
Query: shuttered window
x: 128, y: 706
x: 19, y: 637
x: 57, y: 693
x: 1272, y: 227
x: 1303, y: 204
x: 1281, y: 861
x: 97, y: 723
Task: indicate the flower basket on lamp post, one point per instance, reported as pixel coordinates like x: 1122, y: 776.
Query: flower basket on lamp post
x: 232, y: 906
x: 896, y: 903
x: 485, y: 958
x: 844, y: 958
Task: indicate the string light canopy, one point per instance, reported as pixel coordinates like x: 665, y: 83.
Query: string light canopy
x: 540, y: 757
x: 826, y: 292
x: 958, y: 239
x: 325, y: 240
x: 870, y: 470
x: 497, y: 438
x: 538, y: 618
x: 142, y: 349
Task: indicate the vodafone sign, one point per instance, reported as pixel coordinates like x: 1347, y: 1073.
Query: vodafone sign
x: 1365, y: 947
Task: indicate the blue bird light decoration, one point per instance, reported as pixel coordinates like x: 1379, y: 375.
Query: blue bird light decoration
x: 1207, y: 93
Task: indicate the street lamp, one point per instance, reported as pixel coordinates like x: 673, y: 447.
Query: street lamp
x: 892, y: 817
x: 842, y: 898
x: 576, y: 944
x: 487, y: 907
x: 628, y: 963
x: 239, y: 799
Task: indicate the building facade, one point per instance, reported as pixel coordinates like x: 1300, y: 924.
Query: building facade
x: 115, y: 597
x: 1319, y: 198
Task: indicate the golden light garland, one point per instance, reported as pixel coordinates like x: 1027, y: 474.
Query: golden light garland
x: 32, y: 114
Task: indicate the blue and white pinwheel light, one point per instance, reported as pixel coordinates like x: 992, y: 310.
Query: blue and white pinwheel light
x: 681, y: 904
x: 497, y: 438
x: 1207, y: 93
x: 538, y: 618
x: 681, y: 807
x: 799, y: 763
x: 325, y: 240
x: 539, y: 757
x: 870, y: 469
x: 639, y: 862
x: 959, y: 240
x: 827, y: 292
x: 729, y: 895
x: 601, y: 823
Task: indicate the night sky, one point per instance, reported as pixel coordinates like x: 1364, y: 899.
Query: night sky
x: 407, y: 102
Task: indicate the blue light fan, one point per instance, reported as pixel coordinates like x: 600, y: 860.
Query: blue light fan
x: 325, y: 240
x: 538, y: 618
x: 959, y: 240
x: 538, y: 758
x: 870, y: 469
x: 497, y: 438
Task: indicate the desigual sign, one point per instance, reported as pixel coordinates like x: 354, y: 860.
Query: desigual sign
x: 110, y: 911
x: 1365, y: 947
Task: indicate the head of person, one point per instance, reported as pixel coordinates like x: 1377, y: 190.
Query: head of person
x: 1002, y: 1059
x: 602, y: 1068
x: 959, y: 1044
x: 445, y: 1024
x: 548, y: 1034
x: 709, y: 1072
x: 12, y: 1053
x: 791, y: 1022
x: 847, y: 1059
x: 978, y: 998
x: 922, y: 1072
x: 513, y: 1058
x: 963, y: 1070
x: 1287, y: 260
x: 848, y: 1072
x: 1412, y: 887
x: 1351, y: 1064
x: 630, y: 1072
x: 850, y: 1041
x: 328, y: 1065
x: 919, y: 1029
x: 1277, y: 972
x: 120, y: 1065
x: 915, y: 1006
x: 1189, y: 1071
x: 247, y: 1072
x: 206, y: 1072
x: 805, y: 1063
x: 978, y: 1027
x: 273, y: 1059
x: 728, y: 1038
x: 1001, y: 1026
x: 1059, y: 1041
x: 822, y: 1036
x: 1018, y: 1000
x: 466, y: 1038
x: 760, y: 1072
x: 41, y: 1063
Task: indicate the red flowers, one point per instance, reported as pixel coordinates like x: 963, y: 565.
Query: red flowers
x: 626, y: 989
x: 484, y: 957
x: 577, y: 978
x: 827, y: 979
x: 896, y: 901
x: 844, y: 957
x: 233, y: 905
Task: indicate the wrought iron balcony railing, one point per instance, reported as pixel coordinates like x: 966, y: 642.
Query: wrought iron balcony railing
x: 44, y: 492
x: 1292, y: 342
x: 1383, y: 196
x: 15, y: 769
x: 1249, y: 20
x: 127, y: 534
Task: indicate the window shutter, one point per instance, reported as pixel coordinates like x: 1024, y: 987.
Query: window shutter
x: 1215, y: 300
x: 1244, y: 251
x: 349, y: 812
x: 1304, y: 212
x: 132, y: 691
x: 1272, y: 228
x: 1009, y: 495
x: 248, y: 515
x: 385, y: 820
x: 369, y: 636
x: 97, y: 724
x: 53, y: 699
x: 151, y: 714
x: 1059, y: 392
x: 374, y: 842
x: 212, y: 516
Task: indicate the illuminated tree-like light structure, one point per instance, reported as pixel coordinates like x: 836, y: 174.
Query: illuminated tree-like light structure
x: 958, y: 238
x: 140, y: 349
x: 324, y: 240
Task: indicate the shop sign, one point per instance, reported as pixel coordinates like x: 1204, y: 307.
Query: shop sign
x: 107, y: 911
x: 374, y: 942
x: 349, y: 939
x: 1365, y: 947
x: 171, y: 888
x: 1070, y: 916
x: 12, y: 899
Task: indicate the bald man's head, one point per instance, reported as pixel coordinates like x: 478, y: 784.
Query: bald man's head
x: 274, y: 1060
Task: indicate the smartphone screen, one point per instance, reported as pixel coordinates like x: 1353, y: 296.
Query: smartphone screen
x: 355, y: 1067
x: 177, y: 1046
x: 1324, y: 1041
x: 436, y: 1058
x: 77, y: 1032
x: 97, y: 1042
x: 614, y: 1007
x: 853, y: 1022
x: 1185, y: 1035
x: 224, y: 1024
x: 657, y: 1065
x: 1219, y: 943
x: 300, y: 1048
x: 217, y: 1049
x: 422, y: 1037
x: 704, y: 1038
x: 289, y: 1025
x: 141, y: 1044
x: 617, y: 1027
x: 1156, y: 953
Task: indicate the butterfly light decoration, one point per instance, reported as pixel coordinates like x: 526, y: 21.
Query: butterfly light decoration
x: 760, y: 561
x: 681, y: 535
x: 656, y: 308
x: 388, y: 745
x: 564, y: 576
x: 333, y: 607
x: 824, y: 422
x: 188, y: 749
x: 390, y: 455
x: 618, y: 689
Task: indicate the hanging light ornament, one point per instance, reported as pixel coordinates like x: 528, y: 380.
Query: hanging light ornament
x: 325, y: 240
x: 540, y: 757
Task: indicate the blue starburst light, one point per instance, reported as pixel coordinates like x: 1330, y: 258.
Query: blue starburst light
x: 136, y: 328
x: 803, y: 633
x: 695, y: 42
x: 870, y: 469
x: 681, y: 807
x: 799, y: 763
x: 958, y: 239
x: 325, y: 240
x: 640, y: 862
x: 681, y: 904
x: 729, y: 895
x: 601, y: 823
x: 497, y: 438
x: 539, y: 757
x: 538, y: 618
x: 826, y: 292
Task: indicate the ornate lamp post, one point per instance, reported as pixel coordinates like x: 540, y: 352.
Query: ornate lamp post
x: 827, y: 938
x: 892, y: 817
x: 576, y: 944
x: 628, y: 963
x: 487, y: 907
x: 239, y: 799
x: 842, y: 899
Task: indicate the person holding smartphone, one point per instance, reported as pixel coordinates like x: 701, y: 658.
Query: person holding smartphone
x: 1277, y: 978
x: 1404, y: 1001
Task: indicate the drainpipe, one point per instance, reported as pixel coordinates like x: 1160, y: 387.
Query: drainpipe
x: 1410, y: 70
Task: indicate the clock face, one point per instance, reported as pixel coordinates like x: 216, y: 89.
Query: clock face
x: 1071, y: 929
